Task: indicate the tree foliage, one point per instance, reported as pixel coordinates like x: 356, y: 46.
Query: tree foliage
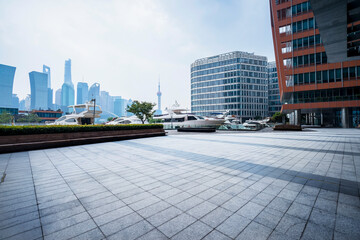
x: 142, y: 110
x: 30, y: 118
x: 5, y: 117
x: 278, y: 116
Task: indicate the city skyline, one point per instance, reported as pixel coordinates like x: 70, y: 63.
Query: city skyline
x: 154, y: 37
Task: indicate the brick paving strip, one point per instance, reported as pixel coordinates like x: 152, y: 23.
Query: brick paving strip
x: 263, y: 185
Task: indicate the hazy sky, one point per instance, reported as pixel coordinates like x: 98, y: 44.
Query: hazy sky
x: 126, y: 44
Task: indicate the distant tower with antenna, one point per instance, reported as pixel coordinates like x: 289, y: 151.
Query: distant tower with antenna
x: 158, y: 111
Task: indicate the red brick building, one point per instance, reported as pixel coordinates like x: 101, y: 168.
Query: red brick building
x: 317, y: 49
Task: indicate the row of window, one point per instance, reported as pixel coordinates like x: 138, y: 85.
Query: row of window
x: 256, y: 105
x: 229, y: 68
x: 327, y: 95
x: 294, y: 10
x: 230, y: 87
x: 257, y: 95
x: 229, y: 81
x: 228, y: 62
x: 303, y: 25
x: 229, y: 74
x: 309, y: 59
x: 306, y: 42
x: 333, y: 75
x: 204, y: 110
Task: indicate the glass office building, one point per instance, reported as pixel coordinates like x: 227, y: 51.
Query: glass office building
x: 82, y: 92
x: 94, y: 92
x: 7, y: 74
x: 317, y: 50
x: 274, y: 92
x: 39, y: 90
x: 235, y: 82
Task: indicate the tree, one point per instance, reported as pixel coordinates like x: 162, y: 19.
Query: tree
x: 30, y: 118
x: 5, y: 117
x: 110, y: 119
x: 142, y: 110
x: 278, y: 116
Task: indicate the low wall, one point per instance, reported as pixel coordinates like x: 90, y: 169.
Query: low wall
x: 17, y: 143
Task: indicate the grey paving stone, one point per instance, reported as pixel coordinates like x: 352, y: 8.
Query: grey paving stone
x: 72, y: 231
x: 34, y: 233
x: 176, y: 224
x: 154, y: 234
x: 233, y: 225
x: 348, y: 210
x: 92, y: 234
x: 299, y: 210
x: 164, y: 216
x: 197, y: 230
x: 314, y: 231
x: 112, y: 215
x: 178, y: 198
x: 269, y: 217
x: 64, y: 223
x: 216, y: 217
x: 280, y: 204
x: 216, y: 235
x: 19, y: 219
x: 234, y: 204
x: 326, y: 205
x: 263, y: 198
x: 133, y: 231
x: 255, y: 231
x: 291, y: 226
x: 120, y: 224
x: 324, y: 218
x: 153, y: 209
x: 201, y: 210
x: 306, y: 199
x: 189, y: 203
x: 20, y: 228
x: 348, y: 226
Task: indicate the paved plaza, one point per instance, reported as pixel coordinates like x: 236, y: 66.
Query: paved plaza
x: 258, y: 185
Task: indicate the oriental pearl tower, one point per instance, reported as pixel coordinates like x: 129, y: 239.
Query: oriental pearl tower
x: 158, y: 110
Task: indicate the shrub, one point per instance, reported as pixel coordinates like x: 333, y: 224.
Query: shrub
x: 26, y: 130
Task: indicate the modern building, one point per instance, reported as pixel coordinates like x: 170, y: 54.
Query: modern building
x: 12, y: 111
x: 235, y: 82
x: 7, y: 74
x: 22, y: 105
x: 106, y: 102
x: 45, y: 115
x: 273, y: 89
x: 58, y: 97
x: 128, y: 103
x: 67, y: 95
x: 67, y: 89
x: 318, y: 60
x: 15, y: 101
x: 158, y: 110
x: 28, y: 102
x: 67, y: 72
x: 39, y: 90
x: 94, y: 92
x: 46, y: 70
x: 82, y: 93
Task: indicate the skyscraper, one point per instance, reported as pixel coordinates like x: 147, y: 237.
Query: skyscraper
x: 158, y: 110
x: 39, y: 90
x: 94, y: 91
x: 15, y: 101
x: 67, y: 95
x: 274, y: 92
x: 7, y: 74
x: 46, y: 70
x: 235, y: 81
x: 58, y: 97
x: 82, y: 92
x: 317, y: 48
x: 67, y: 73
x: 67, y: 89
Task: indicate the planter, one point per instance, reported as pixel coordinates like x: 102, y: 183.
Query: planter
x: 15, y: 143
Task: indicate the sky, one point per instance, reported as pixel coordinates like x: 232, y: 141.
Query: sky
x: 128, y: 45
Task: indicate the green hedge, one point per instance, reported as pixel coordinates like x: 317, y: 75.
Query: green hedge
x: 24, y: 130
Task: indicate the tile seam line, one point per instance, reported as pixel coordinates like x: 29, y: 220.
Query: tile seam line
x: 37, y: 203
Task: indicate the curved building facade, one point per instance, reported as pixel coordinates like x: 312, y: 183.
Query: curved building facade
x: 39, y: 90
x: 7, y: 74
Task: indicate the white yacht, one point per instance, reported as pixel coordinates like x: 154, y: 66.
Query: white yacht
x: 177, y: 117
x: 125, y: 120
x: 82, y: 114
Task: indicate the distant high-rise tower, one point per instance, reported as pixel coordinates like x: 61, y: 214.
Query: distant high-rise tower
x: 46, y: 70
x: 82, y: 92
x: 7, y: 74
x: 94, y: 92
x: 39, y: 90
x: 67, y: 75
x: 58, y: 97
x: 158, y: 111
x: 67, y: 89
